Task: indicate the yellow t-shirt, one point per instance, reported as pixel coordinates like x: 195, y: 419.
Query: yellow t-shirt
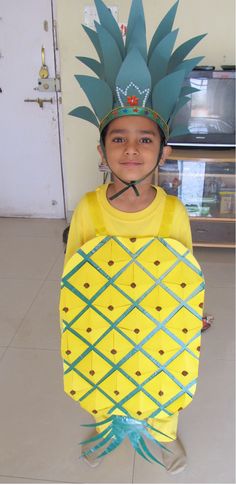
x: 146, y: 222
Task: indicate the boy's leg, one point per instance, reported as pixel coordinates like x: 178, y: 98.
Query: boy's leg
x: 175, y: 462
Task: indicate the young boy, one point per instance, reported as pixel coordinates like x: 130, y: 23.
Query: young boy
x: 132, y: 144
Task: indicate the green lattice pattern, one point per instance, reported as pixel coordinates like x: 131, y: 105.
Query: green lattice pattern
x: 131, y: 317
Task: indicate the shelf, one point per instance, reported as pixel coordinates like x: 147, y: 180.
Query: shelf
x: 214, y: 245
x: 203, y: 155
x: 196, y: 185
x: 212, y: 219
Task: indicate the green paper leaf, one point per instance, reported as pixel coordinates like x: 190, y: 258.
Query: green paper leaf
x: 109, y: 23
x: 138, y: 38
x: 86, y: 114
x: 188, y: 65
x: 186, y: 90
x: 112, y: 59
x: 94, y: 65
x: 98, y: 93
x: 163, y: 28
x: 159, y: 60
x: 93, y: 36
x: 180, y: 104
x: 166, y: 92
x: 183, y: 50
x: 178, y: 131
x: 136, y: 10
x: 134, y: 69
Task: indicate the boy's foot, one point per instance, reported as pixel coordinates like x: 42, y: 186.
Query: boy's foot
x: 176, y: 461
x: 92, y: 460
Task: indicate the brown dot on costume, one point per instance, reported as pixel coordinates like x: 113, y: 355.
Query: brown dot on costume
x: 158, y: 308
x: 91, y: 372
x: 138, y: 373
x: 198, y: 348
x: 65, y: 309
x: 94, y: 411
x: 180, y: 409
x: 139, y: 413
x: 133, y: 239
x: 116, y: 393
x: 110, y: 308
x: 133, y: 285
x: 201, y: 305
x: 161, y: 352
x: 113, y: 351
x: 136, y: 330
x: 88, y: 329
x: 160, y: 393
x: 156, y: 263
x: 72, y: 392
x: 110, y: 263
x: 183, y: 285
x: 68, y: 352
x: 184, y: 373
x: 86, y: 285
x: 184, y: 330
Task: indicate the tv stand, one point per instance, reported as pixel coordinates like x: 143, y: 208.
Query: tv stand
x: 204, y: 179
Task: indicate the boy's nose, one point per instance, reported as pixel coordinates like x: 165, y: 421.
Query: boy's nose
x: 131, y: 149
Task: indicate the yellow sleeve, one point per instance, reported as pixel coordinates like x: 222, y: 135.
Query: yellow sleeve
x: 81, y: 229
x: 181, y: 229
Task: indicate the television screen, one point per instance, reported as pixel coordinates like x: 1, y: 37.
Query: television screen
x: 209, y: 114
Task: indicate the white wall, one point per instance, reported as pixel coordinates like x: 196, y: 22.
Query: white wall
x: 193, y: 17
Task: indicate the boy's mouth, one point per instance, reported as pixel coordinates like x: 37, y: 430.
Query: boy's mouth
x: 131, y: 163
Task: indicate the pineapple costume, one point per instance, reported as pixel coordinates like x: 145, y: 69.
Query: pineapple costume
x: 131, y: 304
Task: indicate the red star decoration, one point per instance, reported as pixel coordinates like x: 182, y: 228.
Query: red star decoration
x: 132, y: 100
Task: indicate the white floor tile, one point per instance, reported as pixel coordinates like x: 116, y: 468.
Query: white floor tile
x: 8, y: 479
x: 218, y: 266
x: 40, y: 425
x: 57, y: 269
x: 41, y: 326
x: 15, y: 227
x: 219, y: 340
x: 28, y: 257
x: 16, y: 297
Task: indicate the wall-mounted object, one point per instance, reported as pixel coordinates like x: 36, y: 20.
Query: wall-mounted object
x: 49, y: 85
x: 39, y: 101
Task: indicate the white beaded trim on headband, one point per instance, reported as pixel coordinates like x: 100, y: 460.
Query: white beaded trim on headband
x: 125, y: 92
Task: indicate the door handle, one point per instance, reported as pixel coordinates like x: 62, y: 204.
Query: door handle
x: 39, y: 101
x: 43, y: 73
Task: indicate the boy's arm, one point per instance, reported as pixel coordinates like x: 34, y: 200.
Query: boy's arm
x: 81, y: 229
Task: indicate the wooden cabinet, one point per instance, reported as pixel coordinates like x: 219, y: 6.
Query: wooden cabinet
x: 204, y: 180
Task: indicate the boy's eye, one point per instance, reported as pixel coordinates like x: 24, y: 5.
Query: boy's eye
x: 118, y: 139
x: 146, y: 140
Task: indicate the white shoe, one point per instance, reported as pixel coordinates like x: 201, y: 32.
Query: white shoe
x: 176, y: 461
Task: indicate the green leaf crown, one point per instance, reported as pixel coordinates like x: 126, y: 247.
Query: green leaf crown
x: 131, y: 80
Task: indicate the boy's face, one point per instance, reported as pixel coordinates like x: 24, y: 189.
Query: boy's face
x: 132, y: 147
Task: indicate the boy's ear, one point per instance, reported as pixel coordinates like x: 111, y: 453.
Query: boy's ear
x: 165, y: 154
x: 99, y: 149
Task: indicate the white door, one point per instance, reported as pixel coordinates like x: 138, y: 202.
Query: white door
x: 31, y: 180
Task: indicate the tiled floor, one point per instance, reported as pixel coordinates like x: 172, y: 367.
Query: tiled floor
x: 40, y: 425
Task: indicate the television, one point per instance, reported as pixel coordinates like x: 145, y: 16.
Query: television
x: 209, y: 114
